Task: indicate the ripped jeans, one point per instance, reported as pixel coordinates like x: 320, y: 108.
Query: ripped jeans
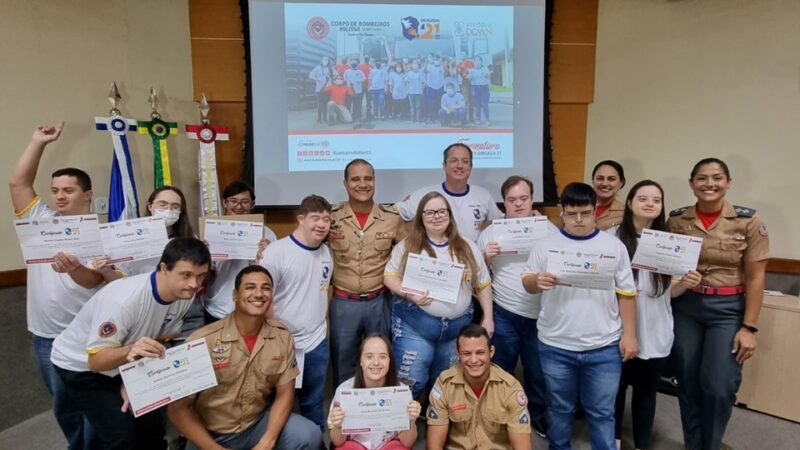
x: 424, y: 345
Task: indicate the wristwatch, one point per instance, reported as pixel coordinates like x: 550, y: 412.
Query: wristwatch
x: 750, y: 328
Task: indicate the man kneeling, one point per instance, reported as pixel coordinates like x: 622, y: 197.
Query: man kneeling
x: 475, y: 404
x: 251, y: 356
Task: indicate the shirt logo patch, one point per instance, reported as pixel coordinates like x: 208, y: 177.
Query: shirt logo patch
x: 476, y: 213
x: 523, y: 418
x: 432, y: 413
x: 107, y: 329
x: 522, y: 399
x: 436, y: 392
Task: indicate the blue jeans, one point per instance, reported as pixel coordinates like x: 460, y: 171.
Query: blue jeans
x: 298, y: 433
x: 415, y: 106
x: 480, y: 101
x: 424, y: 345
x: 70, y: 419
x: 459, y: 115
x: 592, y: 374
x: 315, y: 370
x: 433, y: 100
x: 378, y: 103
x: 515, y: 337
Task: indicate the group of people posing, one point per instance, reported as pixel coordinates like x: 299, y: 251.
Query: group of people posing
x: 330, y: 293
x: 417, y: 89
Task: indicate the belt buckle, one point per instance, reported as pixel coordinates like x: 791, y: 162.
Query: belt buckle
x: 363, y: 297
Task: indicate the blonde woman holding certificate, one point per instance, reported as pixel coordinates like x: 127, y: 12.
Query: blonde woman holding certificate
x: 425, y: 330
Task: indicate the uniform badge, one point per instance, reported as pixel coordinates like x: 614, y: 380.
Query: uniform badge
x: 762, y: 230
x: 458, y: 407
x: 432, y: 413
x: 107, y: 329
x: 220, y: 354
x: 337, y: 235
x: 522, y: 399
x: 523, y: 418
x: 436, y: 392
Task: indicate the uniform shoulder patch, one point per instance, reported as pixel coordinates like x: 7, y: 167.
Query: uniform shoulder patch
x: 389, y: 207
x: 744, y: 211
x: 678, y: 212
x: 337, y: 206
x: 107, y: 329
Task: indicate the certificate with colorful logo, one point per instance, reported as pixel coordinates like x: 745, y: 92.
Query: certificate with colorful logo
x: 134, y: 240
x: 41, y: 239
x: 580, y: 269
x: 232, y: 239
x: 517, y: 236
x: 440, y: 279
x: 375, y: 410
x: 667, y: 253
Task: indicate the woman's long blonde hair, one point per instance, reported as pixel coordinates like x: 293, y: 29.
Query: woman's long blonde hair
x: 417, y: 239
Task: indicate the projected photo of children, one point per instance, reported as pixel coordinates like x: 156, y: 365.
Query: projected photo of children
x: 394, y: 67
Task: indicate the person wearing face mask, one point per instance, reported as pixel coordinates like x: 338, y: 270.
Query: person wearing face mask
x: 716, y: 322
x: 452, y: 107
x: 434, y: 88
x: 322, y: 75
x: 479, y: 87
x: 399, y: 86
x: 355, y: 79
x: 644, y: 208
x: 377, y: 90
x: 377, y: 370
x: 608, y: 178
x: 415, y: 80
x: 337, y: 105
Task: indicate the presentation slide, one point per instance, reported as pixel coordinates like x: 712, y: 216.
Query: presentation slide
x: 393, y: 84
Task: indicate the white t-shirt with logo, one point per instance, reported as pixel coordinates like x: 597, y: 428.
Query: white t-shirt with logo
x: 119, y: 314
x: 507, y: 270
x: 53, y: 299
x: 438, y: 308
x: 301, y: 276
x: 578, y: 319
x: 218, y: 299
x: 653, y: 316
x: 471, y: 209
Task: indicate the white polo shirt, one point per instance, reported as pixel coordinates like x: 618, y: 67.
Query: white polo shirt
x: 53, y: 299
x: 471, y: 209
x: 653, y: 316
x: 578, y: 319
x: 507, y: 270
x: 218, y: 298
x: 438, y: 308
x: 301, y: 276
x: 119, y: 314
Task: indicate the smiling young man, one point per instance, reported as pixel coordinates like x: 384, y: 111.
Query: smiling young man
x: 473, y: 206
x: 515, y: 310
x: 361, y: 239
x: 475, y: 404
x: 248, y: 352
x: 55, y: 293
x: 301, y: 267
x: 123, y: 322
x: 584, y: 334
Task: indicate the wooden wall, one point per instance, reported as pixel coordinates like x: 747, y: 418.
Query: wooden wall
x: 219, y: 71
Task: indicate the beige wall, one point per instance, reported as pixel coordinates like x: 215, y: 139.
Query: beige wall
x: 58, y: 60
x: 677, y: 81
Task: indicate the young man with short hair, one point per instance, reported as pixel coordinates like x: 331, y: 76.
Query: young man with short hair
x: 584, y: 334
x: 515, y: 310
x: 473, y: 206
x: 248, y: 353
x: 301, y: 266
x: 56, y: 292
x: 475, y: 404
x: 238, y: 199
x: 125, y: 321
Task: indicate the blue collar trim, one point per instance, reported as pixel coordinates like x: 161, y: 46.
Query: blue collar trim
x: 445, y: 244
x: 581, y: 238
x: 303, y: 246
x: 454, y: 194
x: 153, y: 285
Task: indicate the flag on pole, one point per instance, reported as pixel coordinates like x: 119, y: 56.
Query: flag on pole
x: 123, y: 202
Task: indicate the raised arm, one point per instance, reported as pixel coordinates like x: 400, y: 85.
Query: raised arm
x: 24, y: 174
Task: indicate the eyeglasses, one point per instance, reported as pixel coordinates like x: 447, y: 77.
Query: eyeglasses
x: 577, y: 215
x: 233, y: 203
x: 430, y: 213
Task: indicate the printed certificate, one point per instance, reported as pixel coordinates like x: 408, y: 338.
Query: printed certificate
x: 439, y: 278
x: 233, y: 239
x: 587, y: 270
x: 517, y: 236
x: 135, y: 239
x: 667, y: 253
x: 375, y: 410
x: 154, y: 382
x: 41, y: 239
